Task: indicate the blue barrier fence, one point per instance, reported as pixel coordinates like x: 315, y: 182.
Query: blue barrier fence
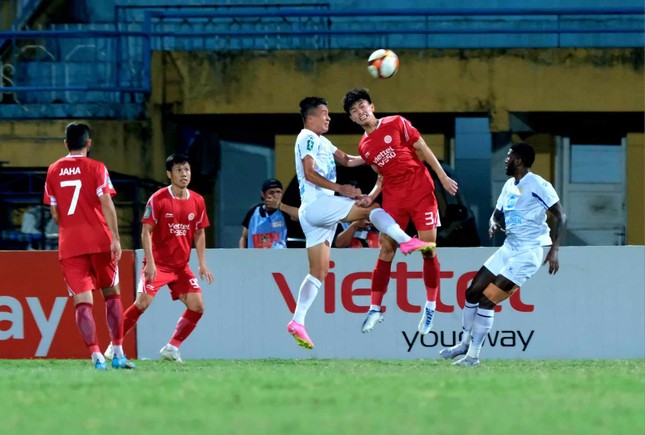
x: 111, y: 63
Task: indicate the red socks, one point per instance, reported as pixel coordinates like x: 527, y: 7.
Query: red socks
x: 130, y: 318
x: 86, y: 325
x: 380, y: 280
x: 114, y: 317
x: 431, y: 269
x: 185, y: 326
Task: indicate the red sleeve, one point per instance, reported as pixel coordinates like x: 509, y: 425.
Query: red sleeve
x: 202, y: 220
x: 409, y: 134
x: 104, y: 184
x: 151, y: 213
x: 361, y: 151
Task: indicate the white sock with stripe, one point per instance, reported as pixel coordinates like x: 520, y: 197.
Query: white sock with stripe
x: 481, y: 326
x: 467, y: 318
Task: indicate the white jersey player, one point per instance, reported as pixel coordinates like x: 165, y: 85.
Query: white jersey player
x: 320, y: 211
x: 520, y: 212
x: 523, y: 204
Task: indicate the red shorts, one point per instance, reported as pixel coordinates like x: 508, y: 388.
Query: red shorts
x: 412, y: 200
x: 421, y: 210
x: 179, y: 281
x: 423, y: 218
x: 85, y: 273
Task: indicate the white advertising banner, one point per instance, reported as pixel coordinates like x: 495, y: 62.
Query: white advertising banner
x: 593, y: 308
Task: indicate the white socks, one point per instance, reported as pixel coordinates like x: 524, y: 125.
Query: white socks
x: 386, y: 224
x: 375, y: 308
x: 481, y: 326
x: 306, y: 295
x: 467, y: 318
x: 97, y: 356
x: 431, y: 304
x: 118, y: 351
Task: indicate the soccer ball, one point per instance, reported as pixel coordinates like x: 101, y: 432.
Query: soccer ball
x: 383, y: 64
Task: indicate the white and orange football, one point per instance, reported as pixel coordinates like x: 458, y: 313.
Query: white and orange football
x: 383, y: 64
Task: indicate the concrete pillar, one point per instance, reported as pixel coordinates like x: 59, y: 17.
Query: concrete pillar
x: 473, y: 149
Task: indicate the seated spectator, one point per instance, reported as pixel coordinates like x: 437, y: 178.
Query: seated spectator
x: 264, y: 226
x: 357, y: 234
x: 37, y: 223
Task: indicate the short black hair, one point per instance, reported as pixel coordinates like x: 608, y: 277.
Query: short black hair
x: 310, y: 103
x: 525, y: 152
x: 77, y: 134
x: 175, y: 159
x: 353, y: 96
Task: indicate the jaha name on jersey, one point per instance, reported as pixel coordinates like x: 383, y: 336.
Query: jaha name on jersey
x: 70, y: 171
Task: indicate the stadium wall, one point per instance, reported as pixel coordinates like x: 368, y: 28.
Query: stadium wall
x: 493, y: 81
x: 566, y: 316
x: 125, y: 146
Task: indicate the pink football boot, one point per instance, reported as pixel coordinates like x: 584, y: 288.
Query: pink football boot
x: 300, y: 334
x: 415, y: 244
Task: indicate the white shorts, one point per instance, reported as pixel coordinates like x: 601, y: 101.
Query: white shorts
x: 319, y: 219
x: 515, y: 265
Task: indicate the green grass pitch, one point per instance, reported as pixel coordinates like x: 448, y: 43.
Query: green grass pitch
x: 324, y: 397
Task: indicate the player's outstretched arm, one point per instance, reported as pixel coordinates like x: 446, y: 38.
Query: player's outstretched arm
x: 309, y: 167
x: 348, y: 160
x: 425, y: 153
x: 378, y: 186
x: 558, y: 229
x: 200, y: 247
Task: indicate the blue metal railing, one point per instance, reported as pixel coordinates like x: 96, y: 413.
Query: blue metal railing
x: 125, y: 65
x: 396, y: 26
x: 362, y: 13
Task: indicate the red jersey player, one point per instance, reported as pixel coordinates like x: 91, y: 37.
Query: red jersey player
x: 397, y: 152
x: 79, y: 191
x: 174, y: 217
